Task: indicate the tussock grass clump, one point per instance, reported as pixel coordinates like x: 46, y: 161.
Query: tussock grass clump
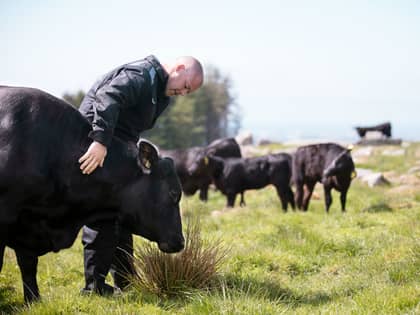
x: 196, y: 267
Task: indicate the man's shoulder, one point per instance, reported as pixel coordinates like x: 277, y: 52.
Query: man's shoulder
x: 138, y: 70
x: 141, y: 64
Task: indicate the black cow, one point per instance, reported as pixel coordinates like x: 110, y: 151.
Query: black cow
x: 186, y: 159
x: 384, y: 128
x: 327, y: 163
x: 44, y: 197
x: 236, y: 175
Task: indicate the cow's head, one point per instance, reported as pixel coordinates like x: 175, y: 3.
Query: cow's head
x: 199, y: 165
x: 206, y: 165
x: 151, y: 203
x: 341, y: 165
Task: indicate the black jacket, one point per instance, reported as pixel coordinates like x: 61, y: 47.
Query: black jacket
x: 126, y: 101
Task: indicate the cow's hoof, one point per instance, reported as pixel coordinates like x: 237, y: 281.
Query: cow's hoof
x: 103, y: 290
x: 32, y: 299
x: 85, y: 291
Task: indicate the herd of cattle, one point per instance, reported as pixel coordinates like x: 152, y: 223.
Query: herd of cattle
x: 221, y: 163
x: 45, y: 199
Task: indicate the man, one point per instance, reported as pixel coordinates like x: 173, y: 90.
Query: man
x: 124, y: 103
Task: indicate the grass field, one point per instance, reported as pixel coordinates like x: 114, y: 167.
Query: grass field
x: 364, y: 261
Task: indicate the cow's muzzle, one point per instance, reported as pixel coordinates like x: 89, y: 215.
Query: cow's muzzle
x: 172, y: 246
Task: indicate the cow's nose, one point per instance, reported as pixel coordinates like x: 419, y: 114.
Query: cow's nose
x: 182, y: 242
x: 164, y: 247
x: 173, y: 246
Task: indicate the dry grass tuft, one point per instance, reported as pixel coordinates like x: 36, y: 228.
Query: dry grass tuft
x: 196, y: 267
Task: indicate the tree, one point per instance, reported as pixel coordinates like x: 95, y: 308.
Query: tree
x: 221, y: 111
x: 74, y: 99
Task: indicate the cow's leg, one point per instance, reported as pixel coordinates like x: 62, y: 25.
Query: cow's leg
x: 328, y: 197
x: 2, y: 247
x: 99, y: 244
x: 28, y: 267
x: 308, y: 188
x: 290, y: 197
x: 123, y: 267
x: 242, y: 203
x: 204, y: 193
x: 3, y: 238
x: 282, y: 196
x: 231, y: 199
x: 343, y: 198
x: 299, y: 194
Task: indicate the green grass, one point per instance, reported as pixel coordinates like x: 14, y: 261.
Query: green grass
x: 364, y: 261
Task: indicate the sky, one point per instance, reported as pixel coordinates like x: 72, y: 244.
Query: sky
x: 299, y: 69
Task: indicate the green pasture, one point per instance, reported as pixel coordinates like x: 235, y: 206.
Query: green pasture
x: 364, y: 261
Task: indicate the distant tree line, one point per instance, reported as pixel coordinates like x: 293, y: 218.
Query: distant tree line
x: 193, y: 120
x: 74, y: 99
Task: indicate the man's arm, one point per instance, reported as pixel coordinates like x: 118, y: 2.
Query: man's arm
x: 93, y: 157
x: 109, y: 99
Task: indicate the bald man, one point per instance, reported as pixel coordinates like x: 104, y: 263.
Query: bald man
x: 124, y: 103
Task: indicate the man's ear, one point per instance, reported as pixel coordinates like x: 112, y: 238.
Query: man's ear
x: 180, y: 67
x: 148, y: 155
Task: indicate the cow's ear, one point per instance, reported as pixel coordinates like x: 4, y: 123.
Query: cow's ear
x: 148, y: 155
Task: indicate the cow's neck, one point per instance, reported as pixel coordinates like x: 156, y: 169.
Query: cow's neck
x: 120, y: 164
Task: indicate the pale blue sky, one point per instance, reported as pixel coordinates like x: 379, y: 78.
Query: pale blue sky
x: 299, y: 68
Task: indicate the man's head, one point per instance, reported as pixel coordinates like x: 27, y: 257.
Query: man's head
x: 185, y: 76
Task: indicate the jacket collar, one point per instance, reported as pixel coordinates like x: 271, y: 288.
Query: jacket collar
x: 161, y: 72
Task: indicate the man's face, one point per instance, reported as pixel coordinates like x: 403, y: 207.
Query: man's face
x: 180, y: 82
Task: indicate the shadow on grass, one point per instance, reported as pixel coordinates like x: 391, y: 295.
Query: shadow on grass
x: 8, y: 306
x: 378, y: 207
x: 232, y: 287
x: 273, y: 291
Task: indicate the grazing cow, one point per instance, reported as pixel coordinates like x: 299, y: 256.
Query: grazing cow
x: 44, y: 197
x: 186, y: 159
x: 384, y: 128
x: 236, y: 175
x: 327, y: 163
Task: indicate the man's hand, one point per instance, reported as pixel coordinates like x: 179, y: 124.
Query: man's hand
x: 93, y: 157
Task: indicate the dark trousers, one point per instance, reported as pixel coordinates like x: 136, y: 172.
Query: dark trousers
x: 106, y: 247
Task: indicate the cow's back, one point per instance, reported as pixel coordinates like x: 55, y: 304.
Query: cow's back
x: 38, y: 133
x: 310, y: 161
x: 241, y: 174
x: 225, y: 147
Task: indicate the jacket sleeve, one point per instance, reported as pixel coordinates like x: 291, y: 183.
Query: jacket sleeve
x: 120, y: 92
